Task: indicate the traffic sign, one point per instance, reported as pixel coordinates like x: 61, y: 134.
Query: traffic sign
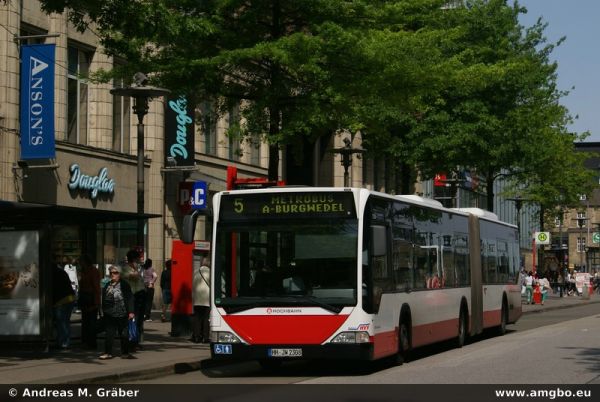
x: 596, y: 237
x: 542, y: 237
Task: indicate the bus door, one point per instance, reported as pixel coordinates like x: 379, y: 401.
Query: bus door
x: 476, y: 309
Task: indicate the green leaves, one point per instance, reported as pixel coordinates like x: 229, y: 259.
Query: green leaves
x: 428, y: 84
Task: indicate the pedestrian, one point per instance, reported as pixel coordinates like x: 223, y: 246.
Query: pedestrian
x: 117, y: 308
x: 201, y: 299
x: 71, y: 270
x: 132, y: 273
x: 149, y: 281
x: 63, y: 297
x: 165, y: 286
x: 89, y: 300
x: 544, y: 288
x: 529, y: 286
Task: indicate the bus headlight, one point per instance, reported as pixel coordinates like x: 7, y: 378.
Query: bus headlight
x: 224, y: 337
x: 351, y: 337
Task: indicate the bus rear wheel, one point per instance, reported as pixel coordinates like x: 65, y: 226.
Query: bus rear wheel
x: 503, y: 319
x: 462, y: 329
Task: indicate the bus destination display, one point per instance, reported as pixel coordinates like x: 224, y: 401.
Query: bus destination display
x: 294, y: 205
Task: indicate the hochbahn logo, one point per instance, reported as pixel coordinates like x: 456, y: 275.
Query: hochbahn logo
x: 271, y: 310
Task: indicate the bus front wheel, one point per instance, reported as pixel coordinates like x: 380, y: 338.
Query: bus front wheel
x: 403, y: 342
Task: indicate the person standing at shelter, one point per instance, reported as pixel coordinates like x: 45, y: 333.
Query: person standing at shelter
x: 63, y: 298
x: 117, y: 307
x: 132, y: 273
x: 149, y: 280
x: 201, y: 299
x: 165, y: 286
x: 71, y: 270
x: 89, y: 300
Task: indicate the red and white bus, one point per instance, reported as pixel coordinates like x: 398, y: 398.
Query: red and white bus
x: 354, y: 274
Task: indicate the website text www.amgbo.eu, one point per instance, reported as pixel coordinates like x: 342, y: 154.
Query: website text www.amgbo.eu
x: 543, y: 393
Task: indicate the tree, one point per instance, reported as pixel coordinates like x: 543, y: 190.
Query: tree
x: 499, y: 112
x: 296, y: 68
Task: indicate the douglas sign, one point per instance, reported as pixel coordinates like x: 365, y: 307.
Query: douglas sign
x: 179, y: 136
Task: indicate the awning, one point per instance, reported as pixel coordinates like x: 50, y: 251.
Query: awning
x: 12, y: 213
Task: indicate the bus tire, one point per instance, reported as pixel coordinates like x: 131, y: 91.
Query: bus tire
x: 462, y: 328
x: 503, y: 318
x: 404, y: 344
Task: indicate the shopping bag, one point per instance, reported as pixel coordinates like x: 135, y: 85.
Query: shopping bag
x: 133, y: 331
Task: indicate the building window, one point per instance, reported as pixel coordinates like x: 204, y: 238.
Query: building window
x: 581, y: 219
x: 77, y: 89
x: 255, y: 153
x: 209, y: 128
x: 557, y: 221
x: 121, y: 121
x: 581, y: 244
x: 234, y: 134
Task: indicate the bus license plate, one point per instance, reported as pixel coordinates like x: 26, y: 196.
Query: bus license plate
x: 285, y: 352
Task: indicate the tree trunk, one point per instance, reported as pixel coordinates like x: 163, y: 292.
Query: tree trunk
x: 489, y: 181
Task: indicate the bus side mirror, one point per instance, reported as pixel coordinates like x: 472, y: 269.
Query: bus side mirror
x: 189, y: 227
x: 379, y: 240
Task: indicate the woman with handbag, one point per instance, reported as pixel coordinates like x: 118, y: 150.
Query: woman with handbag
x: 89, y: 300
x: 201, y: 298
x: 117, y: 305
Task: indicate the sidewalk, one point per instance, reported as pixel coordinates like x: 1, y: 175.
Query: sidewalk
x: 162, y: 355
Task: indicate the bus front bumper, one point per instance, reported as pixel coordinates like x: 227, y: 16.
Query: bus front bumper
x: 241, y: 352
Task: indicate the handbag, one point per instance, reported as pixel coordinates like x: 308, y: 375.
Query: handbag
x: 133, y: 331
x: 100, y: 325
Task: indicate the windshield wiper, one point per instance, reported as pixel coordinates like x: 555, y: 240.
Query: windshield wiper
x: 294, y: 300
x: 320, y: 303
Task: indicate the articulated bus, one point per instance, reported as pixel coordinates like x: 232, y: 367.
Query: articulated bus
x: 345, y: 273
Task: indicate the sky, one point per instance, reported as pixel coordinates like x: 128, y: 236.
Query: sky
x: 578, y: 57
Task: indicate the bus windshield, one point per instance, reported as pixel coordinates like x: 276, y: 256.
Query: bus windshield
x: 308, y: 262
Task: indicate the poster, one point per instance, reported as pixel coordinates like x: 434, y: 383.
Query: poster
x: 19, y: 283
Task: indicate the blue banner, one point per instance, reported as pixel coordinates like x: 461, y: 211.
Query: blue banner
x: 37, y: 102
x: 199, y: 193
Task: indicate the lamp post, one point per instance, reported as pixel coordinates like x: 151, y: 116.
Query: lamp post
x: 141, y: 94
x: 581, y: 222
x: 346, y: 151
x: 518, y: 205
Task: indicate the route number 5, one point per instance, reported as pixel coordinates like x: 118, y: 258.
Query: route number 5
x: 238, y: 206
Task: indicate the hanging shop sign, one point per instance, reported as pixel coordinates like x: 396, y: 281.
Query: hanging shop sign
x: 95, y: 184
x: 37, y: 101
x: 192, y: 195
x: 179, y: 133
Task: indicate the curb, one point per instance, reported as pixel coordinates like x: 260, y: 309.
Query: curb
x: 144, y: 374
x: 560, y: 307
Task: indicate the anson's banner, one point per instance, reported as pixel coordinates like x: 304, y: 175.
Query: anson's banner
x: 179, y: 133
x: 37, y: 101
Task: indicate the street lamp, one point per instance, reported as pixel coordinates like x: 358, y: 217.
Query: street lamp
x: 580, y: 242
x: 518, y: 205
x: 141, y: 94
x: 346, y: 151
